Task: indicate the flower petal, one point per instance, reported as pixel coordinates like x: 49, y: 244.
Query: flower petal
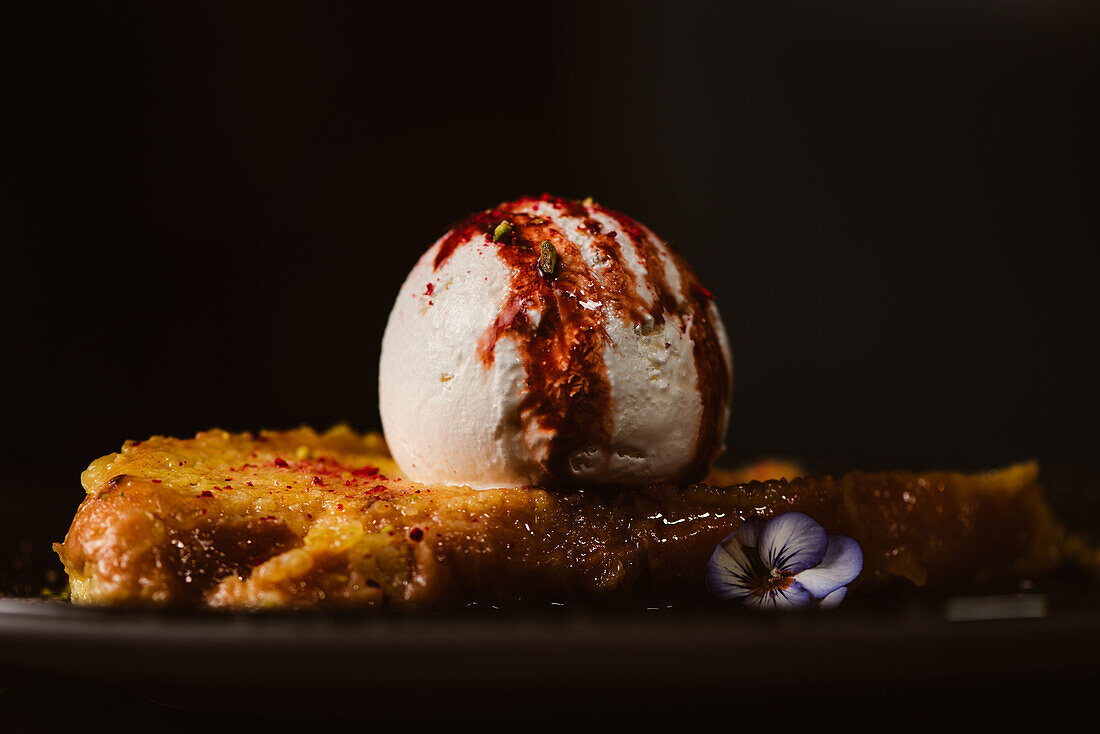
x: 842, y: 563
x: 728, y: 572
x: 748, y: 532
x: 793, y: 597
x: 833, y: 598
x: 792, y: 542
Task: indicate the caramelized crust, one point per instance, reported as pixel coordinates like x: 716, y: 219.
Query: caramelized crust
x: 296, y: 518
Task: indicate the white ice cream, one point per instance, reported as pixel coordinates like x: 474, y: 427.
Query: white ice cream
x: 449, y: 417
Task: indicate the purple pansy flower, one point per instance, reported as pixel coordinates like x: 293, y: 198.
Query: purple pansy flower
x: 785, y: 562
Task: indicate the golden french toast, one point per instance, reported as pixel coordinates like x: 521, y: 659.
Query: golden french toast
x: 299, y: 518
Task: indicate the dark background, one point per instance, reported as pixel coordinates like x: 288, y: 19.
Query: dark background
x: 211, y: 207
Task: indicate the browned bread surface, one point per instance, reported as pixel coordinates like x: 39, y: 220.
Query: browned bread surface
x: 299, y: 518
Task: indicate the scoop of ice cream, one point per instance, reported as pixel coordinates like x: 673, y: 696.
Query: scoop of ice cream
x: 552, y: 342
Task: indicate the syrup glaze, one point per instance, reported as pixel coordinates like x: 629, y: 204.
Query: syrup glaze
x: 568, y: 394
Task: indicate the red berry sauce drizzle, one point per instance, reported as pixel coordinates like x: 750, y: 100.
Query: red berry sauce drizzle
x: 568, y: 390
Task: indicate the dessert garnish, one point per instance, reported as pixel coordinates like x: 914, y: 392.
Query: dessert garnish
x: 502, y: 230
x: 548, y: 259
x: 783, y: 562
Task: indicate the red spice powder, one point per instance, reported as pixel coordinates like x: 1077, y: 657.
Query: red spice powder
x: 699, y: 290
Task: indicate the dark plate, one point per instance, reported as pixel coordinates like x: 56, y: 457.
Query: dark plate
x: 995, y: 656
x: 298, y: 662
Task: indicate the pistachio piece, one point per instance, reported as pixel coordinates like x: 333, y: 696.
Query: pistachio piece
x: 548, y: 259
x: 503, y: 230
